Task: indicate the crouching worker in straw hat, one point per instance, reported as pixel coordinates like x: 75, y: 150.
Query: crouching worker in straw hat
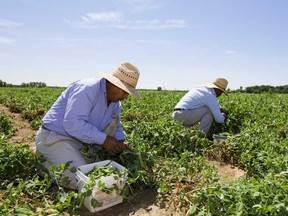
x: 201, y: 105
x: 87, y: 112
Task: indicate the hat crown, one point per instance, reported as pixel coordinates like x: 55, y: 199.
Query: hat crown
x: 127, y: 73
x: 221, y: 83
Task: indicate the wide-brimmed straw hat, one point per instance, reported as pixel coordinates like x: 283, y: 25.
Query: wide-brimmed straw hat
x: 219, y: 83
x: 125, y: 77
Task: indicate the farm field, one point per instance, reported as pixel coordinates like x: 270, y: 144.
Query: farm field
x: 172, y: 170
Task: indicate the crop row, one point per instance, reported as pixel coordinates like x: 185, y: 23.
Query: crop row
x: 173, y: 158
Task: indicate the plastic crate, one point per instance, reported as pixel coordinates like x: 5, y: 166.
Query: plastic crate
x: 107, y: 199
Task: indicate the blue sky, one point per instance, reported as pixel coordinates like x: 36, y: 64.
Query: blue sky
x: 176, y: 44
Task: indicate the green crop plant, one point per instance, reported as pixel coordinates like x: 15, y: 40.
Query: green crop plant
x: 163, y: 154
x: 6, y: 129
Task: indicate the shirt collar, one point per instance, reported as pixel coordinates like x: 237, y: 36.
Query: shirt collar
x: 103, y: 85
x: 103, y: 88
x: 212, y: 91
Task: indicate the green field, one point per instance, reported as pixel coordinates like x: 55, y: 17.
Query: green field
x: 164, y: 155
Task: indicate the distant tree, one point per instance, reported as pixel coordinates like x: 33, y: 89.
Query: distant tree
x: 2, y: 83
x: 282, y: 89
x: 34, y: 84
x: 285, y: 89
x: 267, y: 88
x: 24, y: 85
x: 159, y: 88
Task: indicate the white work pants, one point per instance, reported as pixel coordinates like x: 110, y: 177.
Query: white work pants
x: 58, y: 149
x: 191, y: 117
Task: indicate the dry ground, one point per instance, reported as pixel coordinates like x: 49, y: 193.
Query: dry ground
x: 144, y: 202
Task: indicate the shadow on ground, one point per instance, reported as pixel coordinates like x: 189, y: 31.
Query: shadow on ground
x: 143, y: 203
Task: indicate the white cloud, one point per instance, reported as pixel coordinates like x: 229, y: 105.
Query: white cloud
x: 229, y: 52
x: 71, y: 42
x: 153, y: 24
x: 4, y: 40
x: 166, y: 43
x: 116, y: 20
x: 8, y: 23
x: 156, y: 42
x: 104, y: 16
x: 142, y: 5
x: 5, y: 55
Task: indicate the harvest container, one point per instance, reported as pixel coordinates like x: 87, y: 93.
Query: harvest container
x: 104, y: 200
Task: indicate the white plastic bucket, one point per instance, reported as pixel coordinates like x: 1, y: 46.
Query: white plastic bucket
x: 106, y: 199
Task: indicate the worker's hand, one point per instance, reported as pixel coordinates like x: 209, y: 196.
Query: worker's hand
x: 124, y: 145
x: 113, y: 146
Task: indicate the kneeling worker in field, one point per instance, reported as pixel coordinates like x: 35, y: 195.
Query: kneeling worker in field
x: 87, y: 112
x: 200, y: 104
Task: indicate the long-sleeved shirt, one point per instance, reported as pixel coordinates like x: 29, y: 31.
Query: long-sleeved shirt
x: 81, y: 112
x: 202, y: 96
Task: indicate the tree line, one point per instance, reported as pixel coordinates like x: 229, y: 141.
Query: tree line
x: 30, y: 84
x: 264, y: 88
x: 252, y: 89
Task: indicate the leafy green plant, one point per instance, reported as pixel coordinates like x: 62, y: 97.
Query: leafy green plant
x: 16, y: 161
x: 5, y: 126
x: 163, y: 154
x: 25, y: 193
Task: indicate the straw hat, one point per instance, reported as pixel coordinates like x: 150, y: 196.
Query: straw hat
x: 125, y: 77
x: 219, y: 83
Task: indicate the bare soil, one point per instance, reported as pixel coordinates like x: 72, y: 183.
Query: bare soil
x: 144, y: 202
x: 23, y: 134
x: 227, y: 172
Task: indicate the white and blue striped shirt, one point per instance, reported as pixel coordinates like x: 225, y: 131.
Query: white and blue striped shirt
x: 81, y: 112
x: 202, y: 96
